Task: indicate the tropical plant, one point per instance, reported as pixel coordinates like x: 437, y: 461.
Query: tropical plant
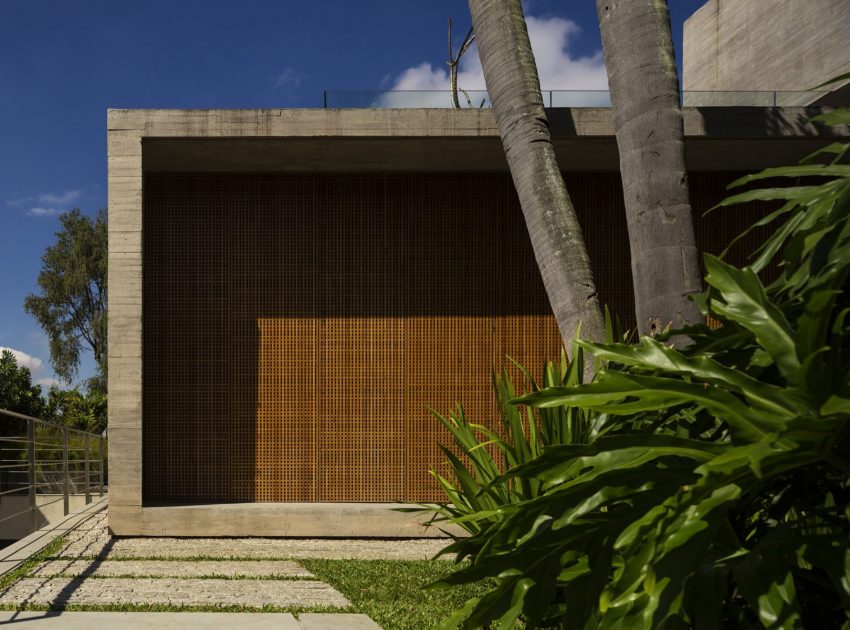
x: 78, y: 410
x: 482, y: 455
x: 716, y: 492
x: 477, y: 485
x: 644, y: 84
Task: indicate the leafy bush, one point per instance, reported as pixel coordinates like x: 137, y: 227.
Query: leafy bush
x: 478, y: 486
x: 715, y: 492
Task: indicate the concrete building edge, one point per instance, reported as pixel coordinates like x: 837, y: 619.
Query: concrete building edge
x: 285, y: 520
x: 126, y: 131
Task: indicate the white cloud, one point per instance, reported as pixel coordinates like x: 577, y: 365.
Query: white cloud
x: 43, y: 212
x: 34, y: 364
x: 50, y: 199
x: 46, y: 204
x: 289, y: 78
x: 65, y: 198
x: 557, y: 67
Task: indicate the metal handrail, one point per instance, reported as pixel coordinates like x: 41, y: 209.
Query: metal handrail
x: 84, y: 481
x: 360, y: 99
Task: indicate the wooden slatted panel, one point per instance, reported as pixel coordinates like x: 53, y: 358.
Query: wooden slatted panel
x: 186, y: 370
x: 298, y: 327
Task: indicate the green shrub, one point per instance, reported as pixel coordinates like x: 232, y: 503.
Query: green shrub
x: 715, y: 491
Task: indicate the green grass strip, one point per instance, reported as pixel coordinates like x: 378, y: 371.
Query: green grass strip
x: 390, y: 591
x: 31, y: 563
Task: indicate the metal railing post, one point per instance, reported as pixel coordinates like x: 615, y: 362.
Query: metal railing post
x: 31, y: 473
x: 102, y: 459
x: 88, y: 477
x: 66, y: 482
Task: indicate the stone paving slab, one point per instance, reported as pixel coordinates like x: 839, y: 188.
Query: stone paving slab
x: 161, y: 621
x: 336, y: 621
x: 170, y: 569
x: 255, y: 548
x: 175, y: 592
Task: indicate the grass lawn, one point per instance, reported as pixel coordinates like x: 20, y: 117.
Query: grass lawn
x: 390, y: 591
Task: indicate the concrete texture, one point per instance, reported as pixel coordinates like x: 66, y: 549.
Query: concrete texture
x: 341, y: 621
x: 747, y: 45
x: 68, y: 567
x: 95, y: 542
x: 716, y: 139
x: 162, y: 621
x: 282, y: 519
x: 50, y: 510
x: 59, y: 592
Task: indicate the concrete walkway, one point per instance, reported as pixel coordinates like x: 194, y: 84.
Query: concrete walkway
x: 93, y: 570
x: 189, y: 621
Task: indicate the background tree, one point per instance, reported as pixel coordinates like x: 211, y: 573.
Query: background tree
x: 510, y: 73
x: 71, y: 305
x: 17, y: 392
x: 78, y: 410
x: 644, y: 84
x: 454, y: 65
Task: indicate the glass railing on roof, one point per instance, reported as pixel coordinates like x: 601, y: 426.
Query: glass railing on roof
x: 405, y: 99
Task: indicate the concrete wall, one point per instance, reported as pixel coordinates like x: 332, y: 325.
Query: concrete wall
x: 745, y: 45
x: 49, y: 509
x: 457, y: 140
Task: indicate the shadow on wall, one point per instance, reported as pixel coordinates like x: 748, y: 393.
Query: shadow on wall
x: 299, y: 327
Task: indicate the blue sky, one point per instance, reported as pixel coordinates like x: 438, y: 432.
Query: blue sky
x: 63, y: 64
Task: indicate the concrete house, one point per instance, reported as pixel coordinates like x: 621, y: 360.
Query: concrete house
x: 291, y: 290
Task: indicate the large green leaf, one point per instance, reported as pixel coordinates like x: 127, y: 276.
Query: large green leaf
x: 743, y: 299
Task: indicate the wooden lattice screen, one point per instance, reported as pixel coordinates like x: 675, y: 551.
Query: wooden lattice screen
x: 298, y: 327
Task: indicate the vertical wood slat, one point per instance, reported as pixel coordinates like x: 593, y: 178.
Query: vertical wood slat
x: 298, y: 327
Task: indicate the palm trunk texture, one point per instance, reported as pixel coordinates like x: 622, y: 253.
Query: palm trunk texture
x: 514, y: 88
x: 644, y: 84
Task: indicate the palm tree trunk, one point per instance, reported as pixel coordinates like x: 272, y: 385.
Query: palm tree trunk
x: 644, y: 84
x: 511, y: 77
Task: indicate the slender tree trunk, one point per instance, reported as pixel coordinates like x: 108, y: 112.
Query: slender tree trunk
x: 644, y: 84
x: 514, y: 88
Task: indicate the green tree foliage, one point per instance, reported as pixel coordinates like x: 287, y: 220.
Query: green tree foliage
x: 78, y: 410
x: 17, y: 393
x: 71, y: 303
x: 716, y: 490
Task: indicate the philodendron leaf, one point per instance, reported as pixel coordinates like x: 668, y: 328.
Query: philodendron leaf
x: 620, y: 393
x: 835, y: 405
x: 653, y: 355
x: 766, y: 582
x: 743, y: 299
x: 836, y: 117
x: 807, y: 170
